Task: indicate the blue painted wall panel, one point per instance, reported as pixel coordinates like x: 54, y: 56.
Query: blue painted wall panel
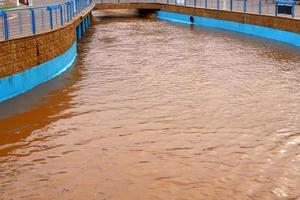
x: 19, y: 83
x: 265, y: 32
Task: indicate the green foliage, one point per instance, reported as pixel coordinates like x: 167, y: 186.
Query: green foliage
x: 6, y: 7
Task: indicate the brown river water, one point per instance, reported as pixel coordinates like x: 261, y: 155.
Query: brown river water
x: 158, y: 110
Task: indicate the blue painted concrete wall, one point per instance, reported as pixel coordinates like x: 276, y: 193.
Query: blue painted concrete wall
x: 265, y: 32
x: 82, y: 27
x: 16, y: 84
x: 19, y: 83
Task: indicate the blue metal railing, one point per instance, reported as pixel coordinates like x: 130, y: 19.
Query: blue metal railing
x: 262, y: 7
x: 4, y: 20
x: 33, y: 20
x: 28, y: 21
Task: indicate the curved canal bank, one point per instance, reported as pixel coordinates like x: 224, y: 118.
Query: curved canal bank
x: 208, y: 120
x: 22, y: 60
x: 19, y: 83
x: 291, y: 38
x: 27, y: 62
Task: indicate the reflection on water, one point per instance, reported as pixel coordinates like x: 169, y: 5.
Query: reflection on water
x: 154, y: 110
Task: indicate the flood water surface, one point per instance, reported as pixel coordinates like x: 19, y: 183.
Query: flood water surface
x: 155, y: 110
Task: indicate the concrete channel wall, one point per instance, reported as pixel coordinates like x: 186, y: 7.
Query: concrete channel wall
x: 275, y: 22
x: 26, y: 62
x: 17, y: 55
x: 281, y: 23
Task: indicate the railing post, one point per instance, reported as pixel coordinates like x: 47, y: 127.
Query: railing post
x: 231, y: 5
x: 20, y: 22
x: 82, y: 28
x: 67, y: 15
x: 55, y: 16
x: 73, y: 9
x: 78, y: 30
x: 86, y: 22
x: 90, y: 16
x: 51, y: 20
x: 50, y: 17
x: 65, y: 10
x: 70, y: 3
x: 293, y: 10
x: 195, y: 3
x: 43, y: 18
x: 259, y: 6
x: 218, y: 4
x: 76, y: 6
x: 5, y: 25
x: 205, y: 3
x: 61, y: 15
x: 33, y: 27
x: 245, y: 5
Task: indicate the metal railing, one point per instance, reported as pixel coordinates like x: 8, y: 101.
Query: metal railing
x: 32, y: 20
x: 262, y: 7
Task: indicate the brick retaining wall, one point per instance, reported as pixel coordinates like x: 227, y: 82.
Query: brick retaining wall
x: 17, y: 55
x: 281, y: 23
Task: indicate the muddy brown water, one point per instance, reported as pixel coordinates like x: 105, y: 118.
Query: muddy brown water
x: 157, y: 110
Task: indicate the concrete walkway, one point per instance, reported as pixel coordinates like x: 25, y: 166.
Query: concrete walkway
x: 46, y: 2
